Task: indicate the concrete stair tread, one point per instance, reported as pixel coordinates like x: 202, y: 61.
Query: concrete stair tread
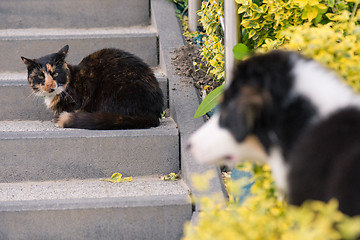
x: 147, y: 208
x: 74, y: 33
x: 78, y: 190
x: 167, y: 126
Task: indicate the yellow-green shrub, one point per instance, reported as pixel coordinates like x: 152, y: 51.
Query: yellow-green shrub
x: 212, y: 51
x: 264, y: 216
x: 336, y: 45
x: 264, y: 20
x: 327, y: 31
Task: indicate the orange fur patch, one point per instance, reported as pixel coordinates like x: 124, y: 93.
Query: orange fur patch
x: 49, y: 83
x: 50, y: 68
x: 63, y: 119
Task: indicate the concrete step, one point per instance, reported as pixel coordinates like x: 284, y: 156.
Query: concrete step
x: 73, y: 14
x: 38, y: 151
x: 34, y: 43
x: 147, y: 208
x: 19, y: 103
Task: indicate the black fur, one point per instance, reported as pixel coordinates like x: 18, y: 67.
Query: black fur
x: 325, y: 163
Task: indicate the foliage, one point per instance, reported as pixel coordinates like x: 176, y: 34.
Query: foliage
x: 264, y: 20
x: 338, y: 48
x: 209, y: 102
x: 181, y: 7
x: 181, y: 11
x: 117, y: 178
x: 264, y: 216
x: 240, y: 51
x: 171, y: 177
x: 212, y: 50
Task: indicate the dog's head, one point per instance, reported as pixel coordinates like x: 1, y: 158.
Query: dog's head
x: 245, y: 128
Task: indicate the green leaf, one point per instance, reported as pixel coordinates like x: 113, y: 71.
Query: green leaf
x: 240, y: 50
x: 209, y: 102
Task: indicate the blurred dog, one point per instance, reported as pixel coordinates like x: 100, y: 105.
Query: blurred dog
x: 294, y: 114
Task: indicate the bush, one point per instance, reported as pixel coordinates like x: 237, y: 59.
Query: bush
x: 338, y: 48
x: 212, y: 50
x: 264, y: 216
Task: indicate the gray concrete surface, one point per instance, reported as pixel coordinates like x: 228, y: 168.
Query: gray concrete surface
x: 95, y: 188
x: 18, y: 101
x: 184, y: 99
x: 73, y: 14
x: 147, y: 208
x: 37, y: 151
x: 34, y: 43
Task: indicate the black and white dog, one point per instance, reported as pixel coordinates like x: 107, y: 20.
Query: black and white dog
x: 289, y: 111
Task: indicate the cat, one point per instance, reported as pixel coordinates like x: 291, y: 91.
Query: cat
x: 109, y: 89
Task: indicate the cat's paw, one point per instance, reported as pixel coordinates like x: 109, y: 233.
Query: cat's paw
x: 62, y: 119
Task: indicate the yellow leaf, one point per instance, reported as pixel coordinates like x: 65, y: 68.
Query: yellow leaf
x: 116, y: 178
x: 171, y: 177
x: 313, y: 2
x: 309, y: 13
x: 252, y: 33
x: 242, y: 9
x: 301, y: 3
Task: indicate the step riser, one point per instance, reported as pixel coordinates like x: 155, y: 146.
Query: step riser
x: 19, y: 103
x: 79, y: 154
x: 142, y: 45
x: 73, y: 14
x: 109, y: 222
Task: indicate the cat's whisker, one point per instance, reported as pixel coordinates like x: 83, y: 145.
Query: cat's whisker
x: 67, y: 96
x: 32, y: 96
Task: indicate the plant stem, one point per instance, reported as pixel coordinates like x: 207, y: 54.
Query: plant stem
x: 354, y: 10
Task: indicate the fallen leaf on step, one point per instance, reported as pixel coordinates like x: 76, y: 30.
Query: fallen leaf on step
x: 171, y: 177
x: 117, y: 178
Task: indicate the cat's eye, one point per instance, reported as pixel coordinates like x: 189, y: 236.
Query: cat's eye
x: 55, y: 75
x: 41, y: 76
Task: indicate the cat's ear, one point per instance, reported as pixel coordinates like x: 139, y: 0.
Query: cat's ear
x: 28, y: 62
x: 60, y: 55
x: 64, y: 50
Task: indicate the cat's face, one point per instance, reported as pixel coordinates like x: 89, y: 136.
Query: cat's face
x: 49, y: 75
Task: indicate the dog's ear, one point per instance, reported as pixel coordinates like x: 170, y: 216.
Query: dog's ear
x: 240, y: 113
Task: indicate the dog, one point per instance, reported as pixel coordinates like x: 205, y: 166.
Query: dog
x: 294, y: 114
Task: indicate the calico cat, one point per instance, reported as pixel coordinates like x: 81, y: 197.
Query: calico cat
x: 109, y: 89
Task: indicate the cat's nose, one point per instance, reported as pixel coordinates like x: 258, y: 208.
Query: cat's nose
x: 50, y: 84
